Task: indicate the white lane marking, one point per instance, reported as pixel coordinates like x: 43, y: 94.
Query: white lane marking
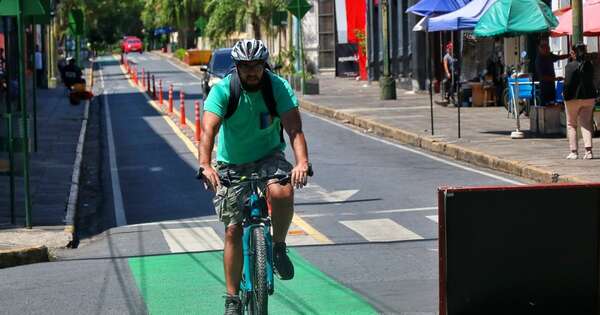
x: 313, y: 191
x: 433, y: 218
x: 331, y: 214
x: 405, y: 148
x: 196, y: 239
x: 381, y: 230
x: 406, y: 210
x: 114, y: 169
x: 175, y: 222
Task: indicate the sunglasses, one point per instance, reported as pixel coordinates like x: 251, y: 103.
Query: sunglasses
x: 248, y: 67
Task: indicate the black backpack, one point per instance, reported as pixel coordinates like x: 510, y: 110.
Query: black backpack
x: 235, y: 91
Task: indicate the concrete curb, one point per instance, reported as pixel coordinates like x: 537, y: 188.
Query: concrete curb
x: 454, y: 151
x: 74, y: 191
x: 23, y: 256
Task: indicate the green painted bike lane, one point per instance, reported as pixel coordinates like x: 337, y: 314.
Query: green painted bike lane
x: 194, y: 284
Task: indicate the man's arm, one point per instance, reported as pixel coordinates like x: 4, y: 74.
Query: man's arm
x: 210, y: 126
x: 292, y: 123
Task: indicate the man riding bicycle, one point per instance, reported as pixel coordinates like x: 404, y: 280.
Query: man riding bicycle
x: 251, y: 141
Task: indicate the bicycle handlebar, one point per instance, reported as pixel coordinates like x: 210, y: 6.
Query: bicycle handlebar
x: 226, y: 180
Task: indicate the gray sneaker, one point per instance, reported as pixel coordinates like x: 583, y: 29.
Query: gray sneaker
x: 284, y: 268
x: 233, y: 305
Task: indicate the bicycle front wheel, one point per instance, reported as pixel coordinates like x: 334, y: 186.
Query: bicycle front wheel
x: 259, y: 303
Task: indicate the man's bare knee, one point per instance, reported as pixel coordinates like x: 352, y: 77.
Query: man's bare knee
x: 234, y: 232
x: 281, y: 194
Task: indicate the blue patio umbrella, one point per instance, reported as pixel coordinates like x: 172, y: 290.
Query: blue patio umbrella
x: 464, y: 18
x: 428, y: 8
x: 435, y: 7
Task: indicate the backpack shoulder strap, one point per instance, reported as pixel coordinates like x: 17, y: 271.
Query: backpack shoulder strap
x: 268, y: 96
x: 235, y: 90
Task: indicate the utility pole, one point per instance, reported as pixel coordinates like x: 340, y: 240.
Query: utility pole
x: 576, y: 6
x: 387, y: 84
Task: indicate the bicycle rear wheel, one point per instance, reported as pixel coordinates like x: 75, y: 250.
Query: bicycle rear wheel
x: 259, y: 303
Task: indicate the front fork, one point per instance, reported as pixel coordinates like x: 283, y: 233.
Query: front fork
x: 247, y: 286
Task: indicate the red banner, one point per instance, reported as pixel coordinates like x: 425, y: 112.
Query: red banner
x: 357, y: 19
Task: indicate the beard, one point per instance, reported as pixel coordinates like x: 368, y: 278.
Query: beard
x: 251, y: 87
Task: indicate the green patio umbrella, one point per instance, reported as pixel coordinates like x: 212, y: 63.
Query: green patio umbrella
x: 508, y: 18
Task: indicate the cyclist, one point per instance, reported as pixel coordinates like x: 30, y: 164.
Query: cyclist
x: 251, y: 141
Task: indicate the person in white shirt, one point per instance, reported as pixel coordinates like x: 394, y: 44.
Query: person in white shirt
x: 39, y: 66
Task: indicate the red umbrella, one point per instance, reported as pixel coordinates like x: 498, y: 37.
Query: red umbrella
x: 591, y: 22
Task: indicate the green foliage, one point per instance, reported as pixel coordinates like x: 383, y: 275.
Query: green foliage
x: 180, y: 53
x: 106, y: 21
x: 229, y: 16
x: 362, y: 40
x: 179, y: 14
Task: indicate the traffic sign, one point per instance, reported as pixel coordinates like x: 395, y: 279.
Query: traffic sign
x: 299, y: 8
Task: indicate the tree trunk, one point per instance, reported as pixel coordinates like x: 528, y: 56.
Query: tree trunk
x: 256, y: 27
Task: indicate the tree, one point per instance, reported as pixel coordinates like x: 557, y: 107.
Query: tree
x: 106, y: 20
x: 180, y: 14
x: 257, y: 13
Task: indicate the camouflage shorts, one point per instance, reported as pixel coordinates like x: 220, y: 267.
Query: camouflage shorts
x: 229, y: 201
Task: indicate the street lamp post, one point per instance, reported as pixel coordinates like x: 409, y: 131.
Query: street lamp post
x: 386, y: 83
x: 577, y: 21
x: 23, y: 101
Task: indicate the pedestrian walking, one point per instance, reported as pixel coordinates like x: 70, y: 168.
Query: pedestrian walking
x: 580, y: 95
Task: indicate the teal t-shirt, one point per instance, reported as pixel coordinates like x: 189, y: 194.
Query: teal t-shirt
x: 247, y: 136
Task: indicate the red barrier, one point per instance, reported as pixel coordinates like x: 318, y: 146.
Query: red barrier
x: 182, y: 106
x: 143, y: 78
x: 171, y: 98
x: 135, y: 76
x: 197, y: 113
x: 160, y: 95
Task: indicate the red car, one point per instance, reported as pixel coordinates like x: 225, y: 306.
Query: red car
x: 132, y: 44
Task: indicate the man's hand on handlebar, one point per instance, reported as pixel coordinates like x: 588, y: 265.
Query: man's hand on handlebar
x: 210, y: 177
x: 300, y: 174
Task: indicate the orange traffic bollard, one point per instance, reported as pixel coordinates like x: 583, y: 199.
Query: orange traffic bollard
x: 197, y: 113
x: 160, y: 95
x: 182, y: 106
x: 171, y: 98
x: 143, y: 78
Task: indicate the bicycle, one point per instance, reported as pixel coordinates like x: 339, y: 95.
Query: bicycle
x: 257, y: 273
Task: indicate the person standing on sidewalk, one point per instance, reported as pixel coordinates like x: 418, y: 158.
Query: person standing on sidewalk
x: 449, y: 71
x: 544, y: 70
x: 580, y: 95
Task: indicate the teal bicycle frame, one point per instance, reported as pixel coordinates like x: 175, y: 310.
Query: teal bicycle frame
x: 256, y: 216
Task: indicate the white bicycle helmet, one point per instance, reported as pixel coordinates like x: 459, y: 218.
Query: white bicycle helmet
x: 249, y: 50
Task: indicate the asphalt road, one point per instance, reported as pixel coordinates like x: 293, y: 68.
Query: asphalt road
x: 366, y: 236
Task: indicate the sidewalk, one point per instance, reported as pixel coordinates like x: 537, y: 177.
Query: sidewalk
x: 54, y: 170
x: 485, y: 131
